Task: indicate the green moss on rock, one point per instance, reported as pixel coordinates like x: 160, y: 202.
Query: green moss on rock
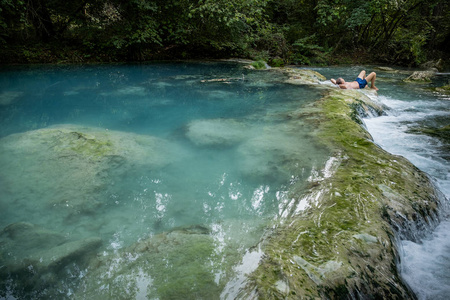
x: 443, y: 89
x: 343, y: 245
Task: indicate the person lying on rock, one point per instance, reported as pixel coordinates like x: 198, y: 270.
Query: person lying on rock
x: 359, y: 83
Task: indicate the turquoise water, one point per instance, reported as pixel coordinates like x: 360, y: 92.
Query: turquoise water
x: 157, y: 180
x: 97, y: 160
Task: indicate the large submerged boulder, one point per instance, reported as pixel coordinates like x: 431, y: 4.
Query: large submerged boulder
x: 78, y: 162
x: 277, y: 152
x: 217, y: 132
x: 339, y: 240
x: 202, y: 257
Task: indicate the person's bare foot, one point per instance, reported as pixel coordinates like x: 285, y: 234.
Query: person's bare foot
x: 374, y: 88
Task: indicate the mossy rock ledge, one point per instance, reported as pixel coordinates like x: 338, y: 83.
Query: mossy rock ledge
x: 343, y: 244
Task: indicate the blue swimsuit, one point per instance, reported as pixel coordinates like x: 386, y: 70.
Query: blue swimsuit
x: 362, y: 82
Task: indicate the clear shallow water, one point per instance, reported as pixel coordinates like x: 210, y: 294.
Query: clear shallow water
x: 426, y: 264
x: 131, y: 153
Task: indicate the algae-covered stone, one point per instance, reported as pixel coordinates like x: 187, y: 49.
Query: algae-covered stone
x: 259, y: 65
x: 342, y: 243
x: 182, y: 264
x: 442, y: 132
x: 67, y: 167
x: 445, y: 89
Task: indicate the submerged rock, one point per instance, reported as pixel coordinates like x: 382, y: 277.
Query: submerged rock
x: 386, y: 69
x: 277, y: 152
x: 68, y: 167
x: 342, y: 242
x: 9, y: 97
x: 216, y: 132
x: 146, y: 270
x: 34, y: 258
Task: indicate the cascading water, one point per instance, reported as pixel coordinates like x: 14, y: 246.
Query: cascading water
x: 415, y: 125
x: 407, y: 129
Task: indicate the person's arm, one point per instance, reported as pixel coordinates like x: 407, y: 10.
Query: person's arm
x: 333, y: 81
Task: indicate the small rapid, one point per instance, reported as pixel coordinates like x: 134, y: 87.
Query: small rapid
x: 406, y: 130
x: 411, y: 126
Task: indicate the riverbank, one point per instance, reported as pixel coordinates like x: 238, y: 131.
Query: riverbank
x: 345, y: 243
x: 70, y: 54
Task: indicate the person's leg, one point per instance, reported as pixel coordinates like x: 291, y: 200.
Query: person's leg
x: 371, y: 77
x: 362, y: 74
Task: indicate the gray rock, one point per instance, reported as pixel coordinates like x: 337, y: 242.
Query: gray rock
x: 432, y: 65
x: 421, y: 76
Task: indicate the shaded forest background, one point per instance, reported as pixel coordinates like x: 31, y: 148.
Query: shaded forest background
x: 402, y: 32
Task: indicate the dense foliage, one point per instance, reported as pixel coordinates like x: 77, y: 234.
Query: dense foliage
x: 284, y: 31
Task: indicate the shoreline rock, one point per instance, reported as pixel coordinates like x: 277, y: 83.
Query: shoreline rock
x: 343, y: 245
x: 421, y: 76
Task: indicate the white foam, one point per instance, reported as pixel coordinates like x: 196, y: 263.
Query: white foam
x: 250, y: 262
x: 426, y: 265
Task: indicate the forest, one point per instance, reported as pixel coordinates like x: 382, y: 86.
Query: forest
x: 304, y: 32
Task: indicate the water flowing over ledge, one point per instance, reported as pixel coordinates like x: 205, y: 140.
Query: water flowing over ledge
x: 344, y: 243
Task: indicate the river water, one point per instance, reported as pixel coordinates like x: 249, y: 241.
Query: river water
x: 199, y: 158
x: 191, y: 159
x: 411, y: 108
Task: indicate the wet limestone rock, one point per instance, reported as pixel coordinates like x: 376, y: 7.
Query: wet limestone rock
x: 420, y: 77
x: 303, y: 76
x: 342, y: 242
x: 445, y: 89
x: 433, y: 64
